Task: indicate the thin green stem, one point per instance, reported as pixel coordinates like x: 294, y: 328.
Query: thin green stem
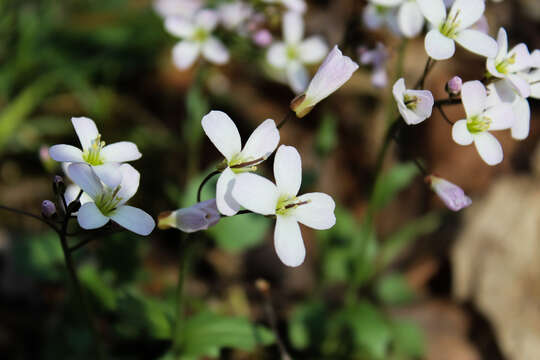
x: 429, y: 65
x: 24, y: 213
x: 185, y: 252
x: 290, y: 114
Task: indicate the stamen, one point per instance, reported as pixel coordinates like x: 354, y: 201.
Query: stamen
x: 249, y: 163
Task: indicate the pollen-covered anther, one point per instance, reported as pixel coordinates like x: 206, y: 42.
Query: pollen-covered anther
x: 92, y: 154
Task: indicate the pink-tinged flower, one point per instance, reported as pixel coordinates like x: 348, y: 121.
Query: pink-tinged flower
x: 376, y: 16
x: 109, y: 203
x: 414, y: 106
x: 294, y: 53
x: 223, y: 133
x: 511, y: 64
x: 198, y: 217
x: 234, y: 14
x: 104, y: 159
x: 480, y: 120
x: 262, y: 37
x: 452, y: 195
x: 197, y: 38
x: 455, y: 27
x: 332, y: 74
x: 260, y: 195
x: 183, y: 8
x: 454, y: 85
x: 377, y: 58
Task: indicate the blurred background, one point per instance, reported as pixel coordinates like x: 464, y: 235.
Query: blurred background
x: 421, y: 283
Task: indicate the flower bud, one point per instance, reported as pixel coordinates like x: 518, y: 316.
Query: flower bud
x: 198, y: 217
x: 262, y: 37
x: 453, y: 86
x: 74, y: 206
x: 59, y: 187
x: 452, y: 195
x: 48, y: 209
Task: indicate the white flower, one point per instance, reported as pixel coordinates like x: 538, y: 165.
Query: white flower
x: 414, y: 106
x: 294, y: 53
x: 378, y: 58
x: 410, y: 18
x: 332, y: 74
x: 104, y: 159
x: 197, y: 38
x: 234, y: 14
x: 455, y: 26
x: 184, y: 8
x: 376, y: 16
x: 198, y: 217
x: 292, y: 5
x: 260, y: 195
x: 452, y: 195
x: 223, y: 133
x: 109, y: 203
x: 480, y: 120
x: 510, y: 64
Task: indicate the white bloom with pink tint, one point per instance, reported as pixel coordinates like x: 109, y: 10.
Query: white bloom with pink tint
x: 414, y: 106
x: 377, y: 58
x: 510, y: 64
x: 234, y: 14
x: 109, y: 203
x: 292, y: 5
x: 183, y: 8
x: 262, y: 37
x: 200, y: 216
x: 452, y: 195
x: 410, y: 20
x: 260, y: 195
x: 332, y: 74
x: 454, y: 85
x: 455, y: 26
x: 197, y: 38
x: 294, y: 52
x: 480, y: 120
x: 104, y: 159
x: 224, y: 134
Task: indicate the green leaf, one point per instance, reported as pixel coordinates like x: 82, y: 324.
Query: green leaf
x: 99, y: 284
x: 408, y: 339
x: 393, y: 289
x: 205, y: 334
x: 391, y: 183
x: 40, y: 256
x: 326, y: 138
x: 336, y: 264
x: 306, y: 325
x: 396, y: 242
x: 240, y: 232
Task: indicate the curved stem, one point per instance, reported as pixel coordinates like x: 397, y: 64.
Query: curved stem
x: 439, y: 107
x: 37, y: 217
x: 205, y: 180
x: 449, y: 101
x: 429, y: 65
x: 290, y: 114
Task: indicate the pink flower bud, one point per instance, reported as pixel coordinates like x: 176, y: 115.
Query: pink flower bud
x: 198, y: 217
x: 48, y: 209
x: 453, y: 87
x: 452, y: 195
x: 262, y: 37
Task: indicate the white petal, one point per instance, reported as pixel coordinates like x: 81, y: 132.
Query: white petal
x: 293, y: 27
x: 109, y: 173
x: 297, y: 76
x: 86, y: 130
x: 65, y: 153
x: 535, y: 90
x: 295, y: 5
x: 185, y: 53
x: 522, y: 58
x: 438, y: 46
x: 312, y: 50
x: 520, y: 85
x: 89, y: 217
x: 489, y: 148
x: 318, y: 213
x: 223, y: 133
x: 461, y: 134
x: 387, y: 3
x: 398, y: 90
x: 133, y: 219
x: 256, y: 193
x: 129, y: 184
x: 121, y: 152
x: 424, y: 102
x: 502, y: 45
x: 206, y: 19
x: 82, y: 175
x: 277, y: 55
x: 214, y: 51
x: 522, y: 114
x: 477, y: 42
x: 433, y: 10
x: 288, y: 170
x: 469, y: 12
x: 491, y: 66
x: 501, y: 115
x: 474, y: 98
x: 226, y: 204
x: 262, y: 142
x: 288, y: 241
x: 410, y: 19
x: 179, y: 26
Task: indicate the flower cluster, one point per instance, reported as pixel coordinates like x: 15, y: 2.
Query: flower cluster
x: 106, y: 181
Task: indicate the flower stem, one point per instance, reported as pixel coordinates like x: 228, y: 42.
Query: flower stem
x: 185, y: 252
x: 24, y: 213
x: 290, y: 114
x: 205, y: 180
x: 429, y: 65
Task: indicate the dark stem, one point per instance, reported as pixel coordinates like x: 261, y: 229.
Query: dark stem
x: 37, y: 217
x: 290, y: 114
x: 271, y: 315
x: 420, y: 167
x: 81, y: 244
x: 185, y: 251
x: 206, y: 179
x: 439, y: 107
x: 429, y: 65
x: 450, y: 101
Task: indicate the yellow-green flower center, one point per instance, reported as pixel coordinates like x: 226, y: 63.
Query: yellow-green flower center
x: 450, y: 27
x: 201, y: 35
x: 410, y: 101
x: 107, y: 201
x: 502, y: 67
x: 240, y: 165
x: 292, y: 53
x: 478, y: 124
x: 285, y: 204
x: 92, y: 154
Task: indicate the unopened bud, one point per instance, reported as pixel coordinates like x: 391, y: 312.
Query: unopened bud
x: 59, y: 187
x: 452, y: 195
x: 198, y: 217
x: 48, y: 209
x: 453, y: 86
x: 262, y: 37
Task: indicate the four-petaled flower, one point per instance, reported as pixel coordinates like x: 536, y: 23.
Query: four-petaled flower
x: 414, y: 106
x: 104, y: 159
x: 294, y: 53
x: 260, y: 195
x: 455, y: 26
x: 480, y: 120
x: 223, y: 133
x: 108, y: 203
x: 197, y: 38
